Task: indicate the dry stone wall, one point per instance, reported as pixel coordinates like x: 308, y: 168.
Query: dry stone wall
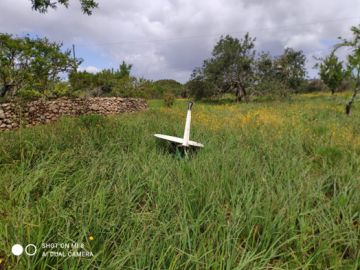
x: 12, y: 115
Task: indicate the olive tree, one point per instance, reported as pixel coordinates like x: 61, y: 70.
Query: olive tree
x: 331, y: 72
x: 231, y: 67
x: 32, y: 63
x: 291, y: 68
x: 353, y: 63
x: 268, y: 79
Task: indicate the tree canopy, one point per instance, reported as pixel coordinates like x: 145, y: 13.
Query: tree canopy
x: 231, y: 66
x: 42, y: 6
x: 291, y: 67
x: 124, y: 70
x: 353, y: 62
x: 235, y: 67
x: 331, y: 72
x: 268, y: 79
x: 32, y: 63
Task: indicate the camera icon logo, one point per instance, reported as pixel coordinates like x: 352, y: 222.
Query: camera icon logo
x: 18, y: 249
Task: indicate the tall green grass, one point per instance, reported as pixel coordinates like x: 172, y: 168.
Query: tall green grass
x: 249, y: 200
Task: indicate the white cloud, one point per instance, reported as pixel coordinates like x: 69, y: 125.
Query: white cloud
x: 90, y: 69
x: 171, y: 37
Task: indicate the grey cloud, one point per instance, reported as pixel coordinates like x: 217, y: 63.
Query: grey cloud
x: 168, y: 38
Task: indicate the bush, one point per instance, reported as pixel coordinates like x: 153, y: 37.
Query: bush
x: 272, y: 88
x: 78, y: 94
x: 125, y: 87
x: 82, y: 80
x: 346, y: 84
x: 200, y: 89
x: 315, y: 85
x: 169, y: 99
x: 168, y: 86
x: 111, y: 83
x: 29, y: 94
x: 61, y: 89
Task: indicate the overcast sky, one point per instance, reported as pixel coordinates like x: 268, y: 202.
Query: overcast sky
x: 169, y: 38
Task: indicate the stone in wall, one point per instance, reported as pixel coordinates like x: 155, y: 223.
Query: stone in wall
x: 41, y: 111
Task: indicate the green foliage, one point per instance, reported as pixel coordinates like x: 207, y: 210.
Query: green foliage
x: 82, y: 80
x: 277, y: 76
x: 105, y: 82
x: 291, y: 68
x: 169, y: 99
x: 125, y: 87
x: 265, y: 67
x: 109, y: 82
x: 144, y: 88
x: 353, y: 63
x: 169, y: 86
x: 42, y: 6
x: 347, y: 83
x: 268, y: 81
x: 230, y: 68
x: 32, y: 64
x: 315, y: 85
x: 332, y: 72
x: 61, y: 89
x: 29, y: 94
x: 11, y: 73
x: 201, y: 89
x: 124, y: 70
x: 234, y: 68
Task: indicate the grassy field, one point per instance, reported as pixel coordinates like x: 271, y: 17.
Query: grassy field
x: 277, y: 186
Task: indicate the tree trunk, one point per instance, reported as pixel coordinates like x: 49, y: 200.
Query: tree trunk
x: 245, y: 94
x: 348, y: 106
x: 240, y: 93
x: 6, y: 88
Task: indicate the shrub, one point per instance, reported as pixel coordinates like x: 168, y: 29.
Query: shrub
x: 200, y: 89
x: 78, y: 94
x: 169, y: 99
x: 271, y: 87
x: 124, y: 87
x: 61, y: 89
x: 29, y: 94
x: 315, y: 85
x: 346, y: 84
x: 168, y: 86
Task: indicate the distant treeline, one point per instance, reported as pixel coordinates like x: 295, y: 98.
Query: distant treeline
x: 32, y: 67
x: 120, y: 83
